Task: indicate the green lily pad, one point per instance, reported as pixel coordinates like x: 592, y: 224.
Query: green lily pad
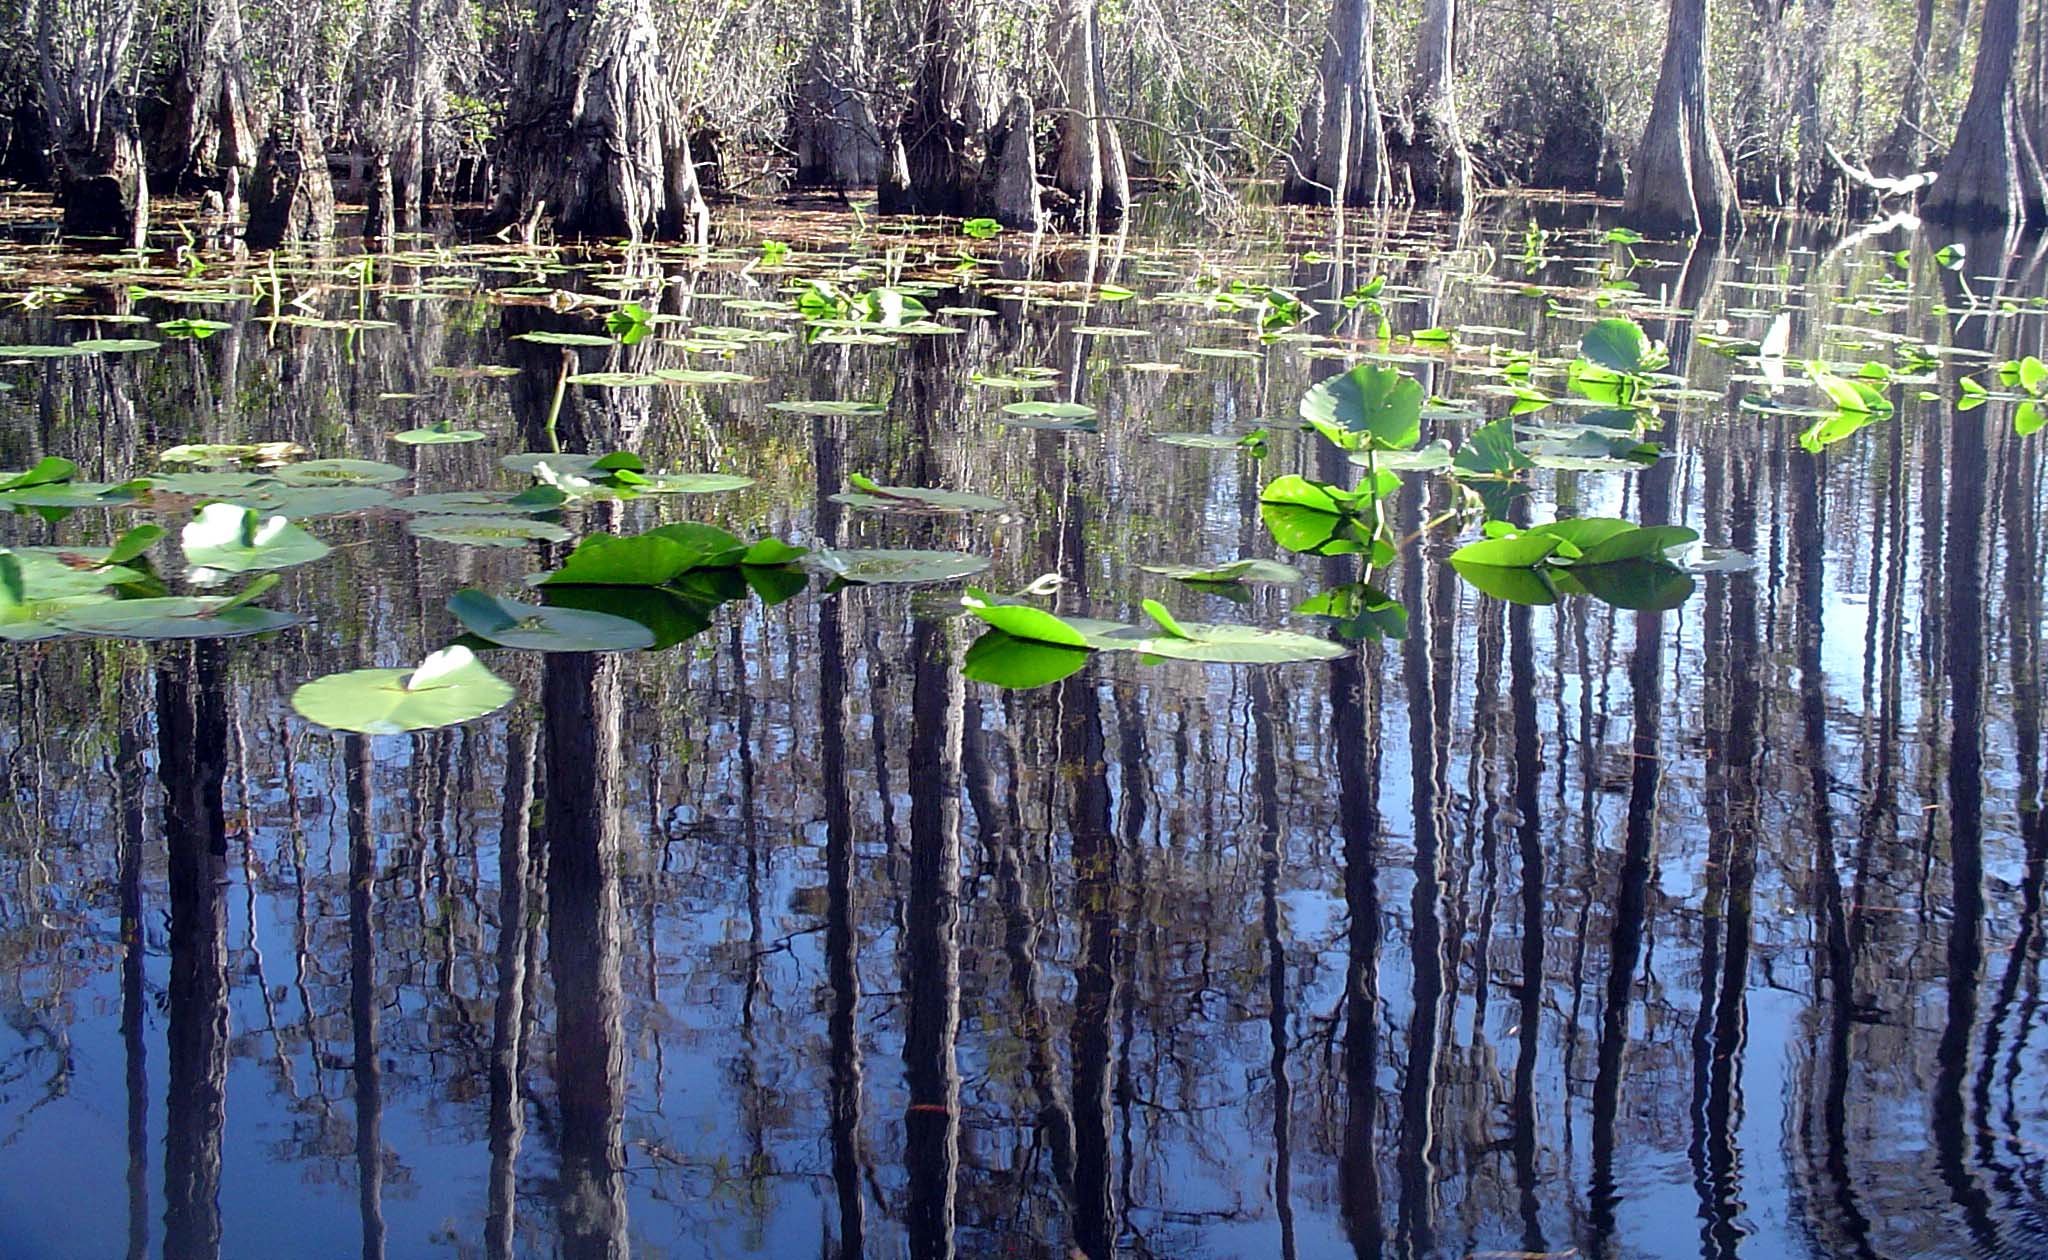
x: 1005, y: 660
x: 1042, y: 409
x: 463, y: 503
x: 485, y: 531
x: 443, y: 434
x: 341, y: 472
x: 226, y: 538
x: 541, y: 628
x: 827, y: 407
x: 1235, y: 571
x: 870, y: 495
x: 448, y: 688
x: 901, y: 567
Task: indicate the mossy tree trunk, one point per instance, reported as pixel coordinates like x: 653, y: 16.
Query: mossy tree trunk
x: 205, y: 133
x: 1992, y: 174
x: 1438, y: 165
x: 1090, y: 168
x: 593, y: 142
x: 1339, y: 155
x: 1681, y: 182
x: 1016, y: 198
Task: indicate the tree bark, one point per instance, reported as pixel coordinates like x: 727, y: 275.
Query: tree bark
x: 103, y: 183
x: 1017, y: 198
x: 940, y: 134
x: 1991, y: 175
x: 838, y: 143
x: 593, y: 141
x: 1339, y: 154
x: 1906, y: 148
x: 1815, y: 179
x: 1681, y: 182
x: 1439, y: 167
x: 1089, y: 168
x: 291, y: 196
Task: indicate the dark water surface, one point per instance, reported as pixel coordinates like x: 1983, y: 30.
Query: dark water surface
x: 1542, y: 931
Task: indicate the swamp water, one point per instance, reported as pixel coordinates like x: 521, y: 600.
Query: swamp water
x: 1685, y: 905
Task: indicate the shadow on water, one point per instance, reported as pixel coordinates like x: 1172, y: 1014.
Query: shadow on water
x: 1532, y: 929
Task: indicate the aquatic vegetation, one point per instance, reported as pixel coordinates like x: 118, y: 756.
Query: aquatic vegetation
x: 448, y: 687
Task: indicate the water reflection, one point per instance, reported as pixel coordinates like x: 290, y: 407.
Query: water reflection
x: 1711, y: 930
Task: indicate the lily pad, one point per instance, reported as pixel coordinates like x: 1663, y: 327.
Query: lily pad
x: 485, y: 531
x: 448, y: 688
x: 226, y: 538
x: 541, y: 628
x: 341, y: 472
x: 1235, y: 571
x: 869, y: 494
x: 442, y: 434
x: 899, y: 567
x: 827, y: 407
x: 1043, y: 409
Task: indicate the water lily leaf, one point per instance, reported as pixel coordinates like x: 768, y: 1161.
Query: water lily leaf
x: 1518, y: 551
x: 40, y: 352
x: 654, y: 558
x: 485, y: 531
x: 615, y: 380
x: 463, y: 503
x: 341, y: 472
x: 49, y: 470
x: 901, y: 567
x: 549, y: 338
x: 669, y: 616
x: 40, y: 573
x: 703, y: 376
x: 226, y: 538
x: 1235, y: 571
x: 869, y: 494
x: 114, y: 345
x: 442, y: 434
x: 688, y: 483
x: 1201, y: 441
x: 527, y: 463
x: 1043, y: 409
x: 178, y: 616
x: 543, y: 628
x: 1236, y: 645
x: 1311, y: 518
x: 1619, y: 345
x: 1361, y: 611
x: 1369, y: 405
x: 447, y: 688
x: 305, y: 502
x: 826, y: 407
x: 1513, y: 583
x: 1642, y: 585
x: 222, y: 453
x: 211, y: 485
x: 1005, y: 660
x: 1022, y: 621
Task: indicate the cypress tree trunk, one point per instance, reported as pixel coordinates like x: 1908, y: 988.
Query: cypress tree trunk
x: 838, y: 143
x: 1339, y: 154
x: 1439, y: 168
x: 103, y: 181
x: 1017, y: 199
x: 940, y: 133
x: 1090, y: 167
x: 1681, y: 182
x: 291, y: 196
x: 593, y: 140
x: 1815, y: 180
x: 1991, y: 174
x: 1905, y: 147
